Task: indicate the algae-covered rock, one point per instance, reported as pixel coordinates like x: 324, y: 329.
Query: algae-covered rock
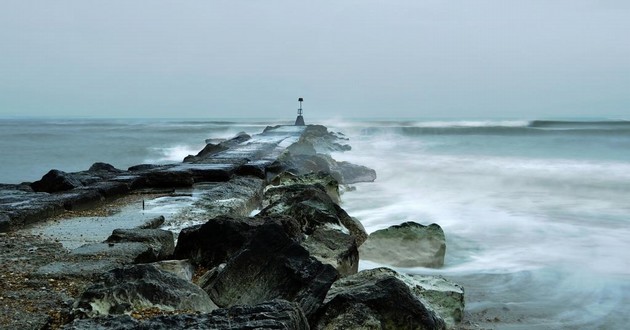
x: 406, y: 245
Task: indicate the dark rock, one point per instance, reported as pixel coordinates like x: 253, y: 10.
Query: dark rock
x: 118, y: 322
x: 83, y: 269
x: 257, y: 168
x: 80, y: 198
x: 55, y: 181
x: 165, y: 177
x: 123, y: 253
x: 344, y: 172
x: 272, y: 266
x: 137, y: 287
x: 209, y: 149
x: 111, y: 188
x: 153, y: 223
x: 406, y: 245
x: 275, y: 314
x: 161, y: 241
x: 374, y: 299
x: 103, y: 167
x: 214, y: 242
x: 144, y: 167
x: 312, y: 207
x: 5, y: 223
x: 287, y: 178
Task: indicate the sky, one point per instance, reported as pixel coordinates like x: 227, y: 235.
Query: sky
x: 346, y: 58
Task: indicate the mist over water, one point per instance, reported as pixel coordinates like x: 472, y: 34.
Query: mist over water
x: 536, y: 219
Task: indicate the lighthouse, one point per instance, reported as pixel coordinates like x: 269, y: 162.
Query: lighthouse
x: 299, y: 121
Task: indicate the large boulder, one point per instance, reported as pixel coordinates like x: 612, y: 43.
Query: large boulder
x: 441, y: 295
x: 237, y: 197
x: 406, y: 245
x: 272, y: 266
x: 55, y: 181
x: 312, y: 207
x: 287, y: 179
x: 275, y: 314
x: 331, y: 245
x: 161, y: 241
x: 120, y: 253
x: 138, y: 287
x: 215, y: 241
x: 374, y: 299
x: 343, y: 172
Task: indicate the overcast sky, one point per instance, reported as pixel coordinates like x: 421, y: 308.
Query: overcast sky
x: 218, y: 59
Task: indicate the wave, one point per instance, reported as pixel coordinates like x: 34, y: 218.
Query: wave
x: 534, y: 127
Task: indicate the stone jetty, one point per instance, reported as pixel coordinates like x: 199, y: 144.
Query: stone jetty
x: 271, y: 247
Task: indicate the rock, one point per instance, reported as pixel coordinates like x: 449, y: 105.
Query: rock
x: 111, y: 188
x: 374, y: 299
x: 343, y: 172
x: 80, y: 198
x: 161, y: 241
x: 55, y: 181
x: 118, y: 322
x: 83, y: 269
x: 153, y: 223
x: 406, y: 245
x: 348, y: 173
x: 272, y: 266
x: 138, y: 287
x: 181, y: 268
x: 312, y: 207
x: 287, y: 178
x: 330, y: 245
x: 275, y: 314
x: 237, y: 197
x: 165, y: 177
x: 5, y: 223
x: 212, y: 149
x: 442, y: 296
x: 103, y: 167
x: 215, y: 241
x: 122, y: 253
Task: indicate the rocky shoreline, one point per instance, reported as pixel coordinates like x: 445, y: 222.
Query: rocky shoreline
x: 275, y: 249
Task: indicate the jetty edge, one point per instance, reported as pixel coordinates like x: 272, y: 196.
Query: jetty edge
x: 293, y: 265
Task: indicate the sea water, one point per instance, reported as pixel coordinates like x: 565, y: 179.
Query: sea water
x: 536, y: 213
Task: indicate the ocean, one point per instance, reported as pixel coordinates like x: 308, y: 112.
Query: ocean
x: 535, y: 212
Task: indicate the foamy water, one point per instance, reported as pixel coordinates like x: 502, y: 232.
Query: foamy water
x: 542, y: 238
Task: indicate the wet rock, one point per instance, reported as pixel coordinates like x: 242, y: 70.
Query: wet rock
x: 137, y: 287
x: 272, y: 266
x: 83, y: 269
x: 237, y: 197
x: 441, y: 295
x: 103, y: 167
x: 181, y: 268
x: 215, y: 241
x: 287, y: 178
x: 153, y: 223
x: 118, y: 322
x: 5, y: 223
x: 406, y: 245
x: 374, y: 299
x: 123, y: 253
x: 111, y: 188
x: 165, y: 177
x: 343, y: 172
x: 161, y: 241
x: 275, y: 314
x: 311, y: 206
x: 55, y: 181
x: 79, y: 198
x: 212, y: 149
x: 331, y: 245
